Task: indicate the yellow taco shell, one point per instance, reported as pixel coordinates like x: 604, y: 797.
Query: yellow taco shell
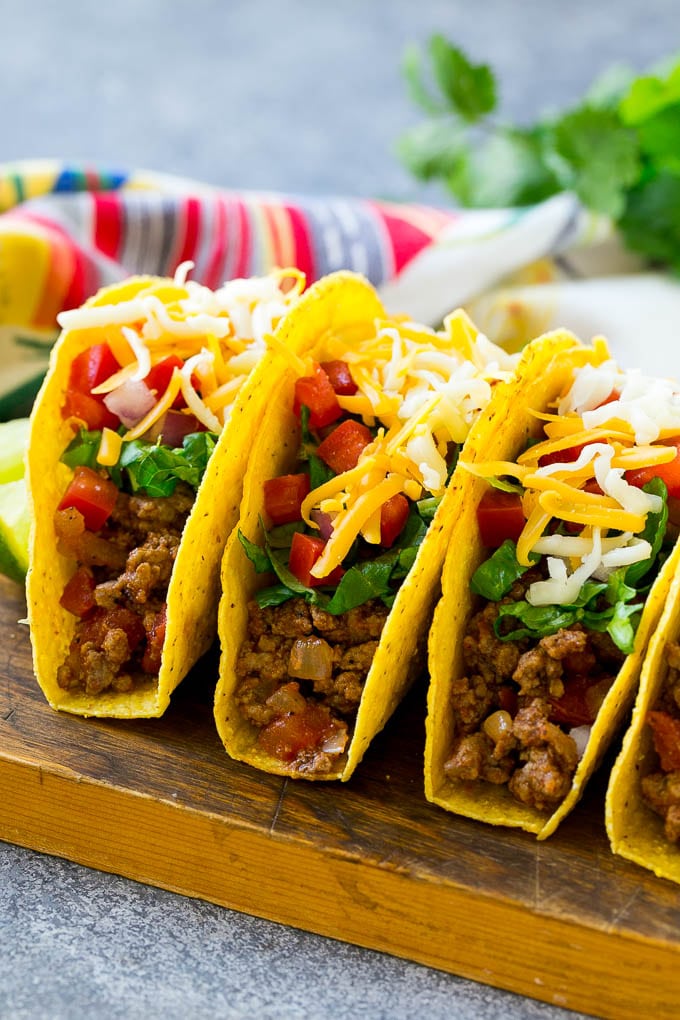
x: 635, y: 831
x: 543, y: 373
x: 400, y: 656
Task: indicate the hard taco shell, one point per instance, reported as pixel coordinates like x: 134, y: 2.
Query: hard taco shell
x: 635, y: 831
x: 543, y: 373
x: 193, y: 592
x: 401, y: 653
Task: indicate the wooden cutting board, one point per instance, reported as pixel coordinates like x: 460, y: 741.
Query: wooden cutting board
x: 368, y: 862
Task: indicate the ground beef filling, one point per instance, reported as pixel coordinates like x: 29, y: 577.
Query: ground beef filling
x: 118, y: 643
x: 517, y: 701
x: 661, y: 788
x: 301, y: 673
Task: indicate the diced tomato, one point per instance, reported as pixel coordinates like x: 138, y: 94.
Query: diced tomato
x: 316, y: 392
x: 93, y: 496
x: 92, y: 367
x: 340, y: 376
x: 507, y: 699
x: 580, y: 702
x: 97, y: 626
x: 88, y: 370
x: 305, y: 550
x: 572, y: 708
x: 286, y: 737
x: 393, y: 517
x: 567, y: 456
x: 78, y: 594
x: 343, y: 446
x: 91, y: 410
x: 283, y: 497
x: 158, y: 377
x: 500, y: 516
x: 155, y: 637
x: 666, y: 735
x: 668, y: 473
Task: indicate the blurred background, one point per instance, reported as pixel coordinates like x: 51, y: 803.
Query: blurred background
x: 304, y: 96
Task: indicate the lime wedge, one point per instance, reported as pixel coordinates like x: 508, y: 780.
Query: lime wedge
x: 14, y: 526
x: 13, y: 442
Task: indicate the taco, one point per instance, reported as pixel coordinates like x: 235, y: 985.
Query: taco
x: 555, y: 578
x: 137, y: 450
x: 330, y: 579
x: 642, y: 806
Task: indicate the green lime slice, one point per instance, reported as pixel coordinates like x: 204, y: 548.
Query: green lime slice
x: 13, y: 442
x: 14, y: 526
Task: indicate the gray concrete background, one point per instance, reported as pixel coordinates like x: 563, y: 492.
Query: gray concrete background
x: 297, y: 97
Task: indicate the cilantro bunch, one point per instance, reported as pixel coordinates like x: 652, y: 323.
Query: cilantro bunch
x: 619, y: 150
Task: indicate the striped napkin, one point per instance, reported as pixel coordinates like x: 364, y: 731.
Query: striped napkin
x: 66, y: 230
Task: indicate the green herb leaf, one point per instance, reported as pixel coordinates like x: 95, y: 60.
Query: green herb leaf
x: 509, y: 168
x: 596, y: 156
x: 651, y: 221
x: 414, y: 74
x: 157, y: 469
x: 256, y: 554
x: 470, y: 89
x: 83, y: 449
x: 495, y: 577
x: 653, y: 532
x: 436, y: 149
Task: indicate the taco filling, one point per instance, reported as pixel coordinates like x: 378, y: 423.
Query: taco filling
x: 579, y: 527
x: 382, y: 418
x: 147, y: 400
x: 661, y: 786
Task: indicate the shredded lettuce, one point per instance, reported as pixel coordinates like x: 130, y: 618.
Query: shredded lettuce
x: 149, y: 467
x: 365, y: 579
x: 613, y: 606
x: 495, y: 577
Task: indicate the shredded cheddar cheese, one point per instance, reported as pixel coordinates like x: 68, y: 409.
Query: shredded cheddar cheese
x: 607, y: 423
x: 219, y: 335
x: 423, y: 389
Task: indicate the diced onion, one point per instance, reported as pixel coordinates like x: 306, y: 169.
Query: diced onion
x: 497, y: 724
x: 580, y: 735
x: 336, y: 741
x: 311, y: 658
x: 130, y: 401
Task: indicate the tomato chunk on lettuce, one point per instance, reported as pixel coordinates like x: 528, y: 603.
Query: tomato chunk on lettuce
x: 93, y: 496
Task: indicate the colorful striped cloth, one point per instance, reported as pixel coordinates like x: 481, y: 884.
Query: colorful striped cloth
x: 67, y: 230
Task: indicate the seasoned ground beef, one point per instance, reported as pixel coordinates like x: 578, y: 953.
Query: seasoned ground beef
x: 512, y: 707
x: 118, y: 644
x: 297, y: 706
x: 661, y: 788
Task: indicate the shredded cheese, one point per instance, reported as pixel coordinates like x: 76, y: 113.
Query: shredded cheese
x: 109, y: 448
x: 219, y: 335
x: 617, y: 422
x: 424, y: 389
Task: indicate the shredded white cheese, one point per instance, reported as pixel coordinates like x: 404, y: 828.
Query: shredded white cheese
x: 221, y: 335
x: 425, y: 388
x: 613, y: 414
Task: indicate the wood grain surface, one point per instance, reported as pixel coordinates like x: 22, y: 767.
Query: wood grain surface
x: 368, y: 862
